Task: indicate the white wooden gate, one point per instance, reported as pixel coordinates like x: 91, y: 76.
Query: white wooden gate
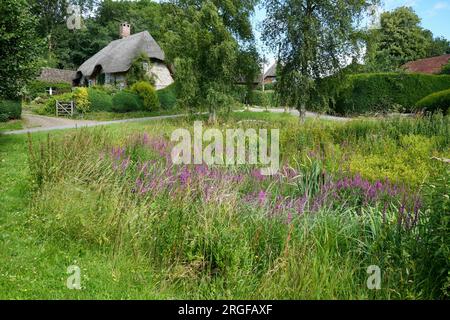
x: 64, y: 108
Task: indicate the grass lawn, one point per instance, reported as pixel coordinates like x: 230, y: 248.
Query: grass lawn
x: 105, y: 199
x: 11, y: 125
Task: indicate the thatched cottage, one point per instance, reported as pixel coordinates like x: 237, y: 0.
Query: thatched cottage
x: 111, y: 64
x: 270, y: 76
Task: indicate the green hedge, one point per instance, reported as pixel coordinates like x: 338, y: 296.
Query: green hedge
x: 100, y: 100
x: 438, y: 101
x: 50, y: 105
x: 167, y: 97
x: 385, y: 92
x: 9, y: 110
x: 263, y: 98
x: 267, y: 86
x: 36, y: 87
x: 125, y: 101
x: 148, y: 95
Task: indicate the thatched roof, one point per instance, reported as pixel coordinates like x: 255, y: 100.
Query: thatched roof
x: 118, y: 55
x: 429, y: 65
x: 56, y: 75
x: 271, y: 72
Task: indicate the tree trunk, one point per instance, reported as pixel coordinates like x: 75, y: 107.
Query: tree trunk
x: 302, y: 111
x: 212, y: 116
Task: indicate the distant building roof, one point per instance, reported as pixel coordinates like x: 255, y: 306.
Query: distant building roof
x: 56, y: 75
x: 118, y: 55
x: 429, y: 65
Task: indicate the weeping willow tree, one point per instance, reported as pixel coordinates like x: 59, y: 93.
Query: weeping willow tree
x: 313, y: 39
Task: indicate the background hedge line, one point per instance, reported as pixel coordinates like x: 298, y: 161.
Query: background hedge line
x: 386, y: 92
x: 36, y: 88
x: 9, y: 110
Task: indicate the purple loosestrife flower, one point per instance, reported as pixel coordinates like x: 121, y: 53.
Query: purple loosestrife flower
x: 401, y: 212
x: 301, y: 204
x: 417, y: 207
x: 145, y: 138
x: 384, y: 212
x: 262, y: 196
x: 257, y: 175
x: 185, y: 175
x: 289, y: 217
x: 125, y: 164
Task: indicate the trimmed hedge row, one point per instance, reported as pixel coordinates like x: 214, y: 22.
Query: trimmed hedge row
x: 10, y: 110
x: 167, y: 97
x: 385, y: 92
x: 438, y: 101
x: 36, y: 88
x: 263, y: 98
x: 125, y: 101
x: 100, y: 100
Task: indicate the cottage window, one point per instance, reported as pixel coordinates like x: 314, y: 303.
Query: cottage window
x: 145, y: 66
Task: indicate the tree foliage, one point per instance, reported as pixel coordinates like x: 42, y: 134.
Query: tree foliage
x: 401, y: 39
x: 200, y: 43
x: 312, y: 39
x: 19, y: 47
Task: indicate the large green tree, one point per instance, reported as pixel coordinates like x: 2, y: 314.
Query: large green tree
x: 19, y: 47
x: 313, y: 39
x: 400, y: 39
x: 439, y: 46
x: 202, y: 42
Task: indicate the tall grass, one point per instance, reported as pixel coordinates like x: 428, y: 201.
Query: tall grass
x: 207, y: 232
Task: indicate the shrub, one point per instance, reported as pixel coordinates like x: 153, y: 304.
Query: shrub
x: 263, y: 98
x: 81, y: 98
x: 125, y: 101
x: 267, y: 86
x: 167, y: 97
x: 9, y: 110
x: 148, y: 95
x: 50, y: 105
x: 100, y: 100
x: 386, y: 92
x: 446, y: 69
x: 438, y: 101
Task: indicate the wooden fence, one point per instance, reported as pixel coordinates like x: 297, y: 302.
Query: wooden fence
x: 64, y: 108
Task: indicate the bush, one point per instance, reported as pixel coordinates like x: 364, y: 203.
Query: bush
x: 438, y: 101
x: 148, y: 95
x: 36, y: 88
x: 263, y: 98
x: 126, y: 101
x: 50, y: 105
x: 81, y: 98
x: 100, y: 100
x: 9, y: 110
x: 446, y: 69
x: 167, y: 97
x: 267, y: 86
x: 386, y: 92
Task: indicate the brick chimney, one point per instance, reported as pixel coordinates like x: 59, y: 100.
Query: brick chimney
x: 125, y: 30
